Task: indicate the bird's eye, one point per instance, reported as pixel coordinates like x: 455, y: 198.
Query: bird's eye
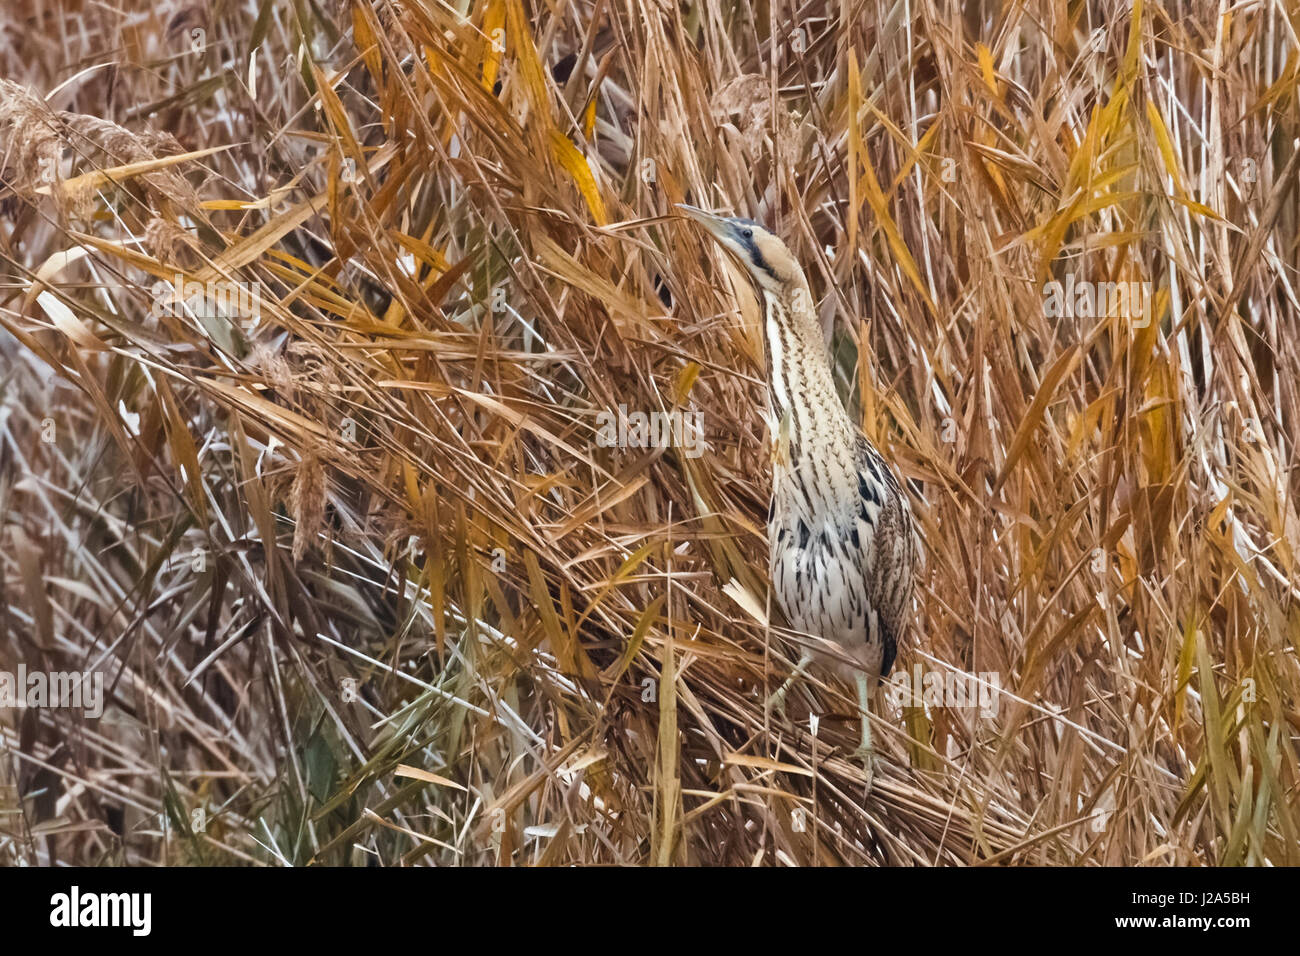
x: 747, y: 233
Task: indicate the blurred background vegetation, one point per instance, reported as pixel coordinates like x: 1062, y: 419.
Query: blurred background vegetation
x: 363, y: 585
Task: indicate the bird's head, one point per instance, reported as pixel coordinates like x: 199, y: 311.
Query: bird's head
x: 763, y: 254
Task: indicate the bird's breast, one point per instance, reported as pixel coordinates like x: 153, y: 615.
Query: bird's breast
x: 819, y: 576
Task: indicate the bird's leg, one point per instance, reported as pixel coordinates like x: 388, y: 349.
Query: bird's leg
x: 865, y: 752
x: 777, y: 700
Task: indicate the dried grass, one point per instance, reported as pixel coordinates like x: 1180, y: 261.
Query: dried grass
x: 365, y: 587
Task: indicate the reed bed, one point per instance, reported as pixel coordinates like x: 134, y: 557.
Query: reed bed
x: 313, y: 315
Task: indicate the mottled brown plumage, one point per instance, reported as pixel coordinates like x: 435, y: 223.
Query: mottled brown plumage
x: 843, y: 547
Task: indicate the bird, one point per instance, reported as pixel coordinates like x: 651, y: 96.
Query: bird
x: 843, y: 543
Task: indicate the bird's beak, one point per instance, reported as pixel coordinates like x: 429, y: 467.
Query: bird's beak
x: 717, y: 225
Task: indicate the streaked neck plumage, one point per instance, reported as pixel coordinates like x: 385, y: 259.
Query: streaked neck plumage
x: 804, y: 402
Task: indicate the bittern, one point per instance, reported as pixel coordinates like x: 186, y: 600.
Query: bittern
x: 842, y: 544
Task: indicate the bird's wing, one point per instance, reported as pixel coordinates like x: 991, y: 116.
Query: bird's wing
x: 889, y: 549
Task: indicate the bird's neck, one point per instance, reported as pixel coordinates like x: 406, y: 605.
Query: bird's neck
x: 802, y: 389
